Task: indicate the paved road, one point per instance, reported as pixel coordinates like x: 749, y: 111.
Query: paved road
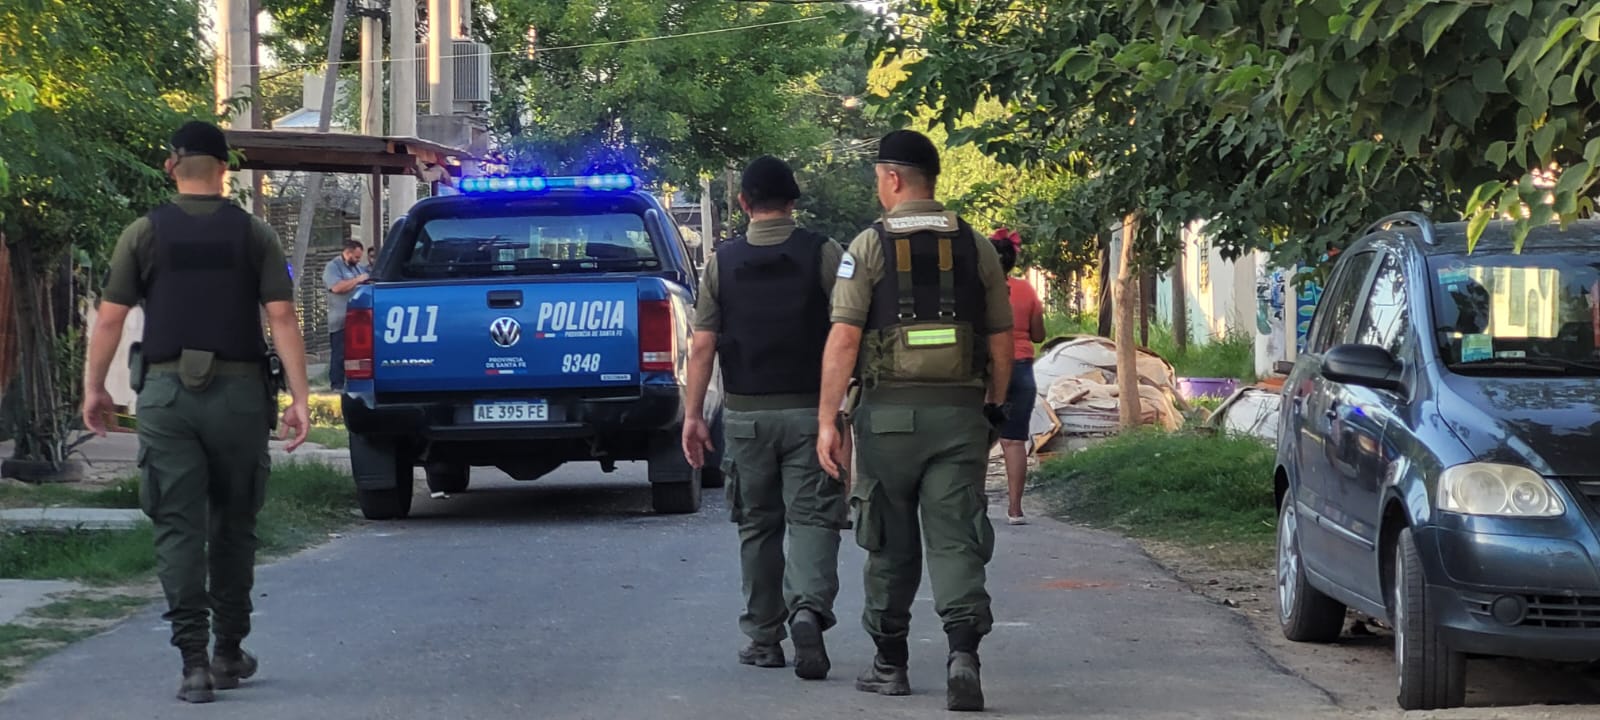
x: 567, y: 599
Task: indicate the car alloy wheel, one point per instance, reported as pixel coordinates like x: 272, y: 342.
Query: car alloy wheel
x: 1304, y: 612
x: 1288, y: 560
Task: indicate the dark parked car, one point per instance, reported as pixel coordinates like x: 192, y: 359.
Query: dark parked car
x: 1439, y: 453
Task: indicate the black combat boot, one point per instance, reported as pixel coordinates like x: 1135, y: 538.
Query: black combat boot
x: 231, y: 664
x: 963, y: 684
x: 763, y: 655
x: 887, y: 676
x: 810, y: 655
x: 196, y: 687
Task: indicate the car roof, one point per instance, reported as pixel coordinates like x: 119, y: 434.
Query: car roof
x: 1451, y: 238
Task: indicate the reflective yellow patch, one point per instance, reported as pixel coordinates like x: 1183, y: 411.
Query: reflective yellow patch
x: 924, y: 338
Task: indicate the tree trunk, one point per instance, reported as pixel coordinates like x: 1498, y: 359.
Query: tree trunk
x: 1147, y: 306
x: 1180, y: 304
x: 40, y: 431
x: 1103, y: 329
x: 1127, y: 354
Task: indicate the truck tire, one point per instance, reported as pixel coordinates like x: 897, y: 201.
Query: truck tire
x: 711, y: 474
x: 449, y: 478
x: 674, y: 486
x: 675, y: 498
x: 390, y: 497
x: 388, y: 503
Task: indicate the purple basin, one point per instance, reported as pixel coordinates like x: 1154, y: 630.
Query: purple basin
x: 1191, y: 388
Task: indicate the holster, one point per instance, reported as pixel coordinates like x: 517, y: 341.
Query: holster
x: 275, y: 382
x: 137, y: 367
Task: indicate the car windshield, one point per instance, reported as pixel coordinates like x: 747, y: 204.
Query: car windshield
x: 524, y: 244
x: 1521, y: 314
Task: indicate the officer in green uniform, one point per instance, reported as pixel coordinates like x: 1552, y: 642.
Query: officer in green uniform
x: 203, y: 268
x: 763, y: 312
x: 920, y: 307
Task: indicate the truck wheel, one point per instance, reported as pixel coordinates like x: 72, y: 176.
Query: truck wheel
x: 449, y: 478
x: 674, y: 486
x: 389, y: 498
x: 675, y: 498
x: 711, y: 474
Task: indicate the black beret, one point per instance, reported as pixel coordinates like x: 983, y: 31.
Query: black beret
x: 768, y: 178
x: 909, y: 148
x: 200, y: 138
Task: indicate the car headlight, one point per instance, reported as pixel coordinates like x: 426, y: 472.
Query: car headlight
x: 1491, y: 489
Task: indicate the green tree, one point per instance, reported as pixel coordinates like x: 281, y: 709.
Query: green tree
x: 673, y: 109
x: 113, y: 79
x: 1493, y: 98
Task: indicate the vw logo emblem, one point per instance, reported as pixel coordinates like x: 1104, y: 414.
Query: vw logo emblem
x: 505, y: 332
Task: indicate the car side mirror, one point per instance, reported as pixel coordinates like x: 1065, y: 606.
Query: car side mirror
x: 1365, y: 365
x: 1283, y: 367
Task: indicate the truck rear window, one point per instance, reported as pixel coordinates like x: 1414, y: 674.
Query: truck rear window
x: 512, y: 245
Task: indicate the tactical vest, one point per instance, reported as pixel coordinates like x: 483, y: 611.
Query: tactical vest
x: 774, y: 315
x: 927, y: 323
x: 204, y: 289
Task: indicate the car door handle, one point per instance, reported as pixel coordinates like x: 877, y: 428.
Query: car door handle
x: 505, y: 298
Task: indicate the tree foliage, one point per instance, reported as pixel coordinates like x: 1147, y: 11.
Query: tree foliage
x: 90, y: 92
x: 1488, y: 95
x: 672, y: 109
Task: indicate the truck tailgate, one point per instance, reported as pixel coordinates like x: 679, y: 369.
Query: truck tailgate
x: 527, y: 333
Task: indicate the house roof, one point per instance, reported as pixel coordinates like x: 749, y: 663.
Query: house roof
x: 304, y: 119
x: 342, y: 152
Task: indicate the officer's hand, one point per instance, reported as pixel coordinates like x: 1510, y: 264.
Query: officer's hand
x: 829, y: 447
x: 296, y: 418
x: 696, y: 441
x: 97, y: 404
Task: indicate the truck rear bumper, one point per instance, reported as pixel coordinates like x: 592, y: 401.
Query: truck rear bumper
x: 448, y: 419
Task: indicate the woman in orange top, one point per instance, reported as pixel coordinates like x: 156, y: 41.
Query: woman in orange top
x: 1027, y: 314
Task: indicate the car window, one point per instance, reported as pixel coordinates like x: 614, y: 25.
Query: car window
x: 1535, y: 308
x: 522, y: 244
x: 1338, y: 302
x: 1386, y: 316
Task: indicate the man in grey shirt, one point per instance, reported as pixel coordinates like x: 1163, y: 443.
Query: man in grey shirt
x: 342, y: 276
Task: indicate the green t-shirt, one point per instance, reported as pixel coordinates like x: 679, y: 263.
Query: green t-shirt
x: 133, y: 258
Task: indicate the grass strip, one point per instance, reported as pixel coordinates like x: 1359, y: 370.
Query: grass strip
x: 1199, y: 490
x: 305, y: 501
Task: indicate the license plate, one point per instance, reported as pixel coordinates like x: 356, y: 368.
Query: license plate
x: 510, y: 412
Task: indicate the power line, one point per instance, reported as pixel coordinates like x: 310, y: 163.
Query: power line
x: 605, y: 43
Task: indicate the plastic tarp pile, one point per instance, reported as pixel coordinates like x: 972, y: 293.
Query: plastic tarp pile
x: 1251, y: 411
x: 1078, y: 394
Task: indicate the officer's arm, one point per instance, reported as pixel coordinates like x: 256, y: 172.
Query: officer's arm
x: 122, y: 291
x: 291, y: 347
x: 838, y: 364
x: 997, y: 297
x: 703, y: 343
x: 103, y: 342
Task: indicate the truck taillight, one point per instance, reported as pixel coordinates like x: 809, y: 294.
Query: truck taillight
x: 358, y: 344
x: 657, y: 340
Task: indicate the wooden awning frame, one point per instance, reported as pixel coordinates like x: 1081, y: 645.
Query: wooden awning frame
x: 343, y: 153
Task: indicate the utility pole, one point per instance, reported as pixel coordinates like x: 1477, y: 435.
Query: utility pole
x: 403, y: 88
x: 372, y: 116
x: 233, y: 70
x: 308, y: 205
x: 258, y: 184
x: 441, y: 66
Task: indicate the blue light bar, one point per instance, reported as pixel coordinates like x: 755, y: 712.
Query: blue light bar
x: 526, y: 184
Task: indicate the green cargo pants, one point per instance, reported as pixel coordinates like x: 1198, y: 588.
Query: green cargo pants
x: 933, y: 459
x: 775, y: 482
x: 204, y: 463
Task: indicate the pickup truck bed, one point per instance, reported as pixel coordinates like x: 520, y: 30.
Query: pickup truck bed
x: 523, y: 329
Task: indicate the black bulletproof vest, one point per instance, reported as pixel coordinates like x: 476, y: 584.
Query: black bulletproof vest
x: 204, y: 289
x: 774, y: 315
x: 929, y: 300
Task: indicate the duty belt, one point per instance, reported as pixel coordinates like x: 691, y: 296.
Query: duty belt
x: 218, y: 367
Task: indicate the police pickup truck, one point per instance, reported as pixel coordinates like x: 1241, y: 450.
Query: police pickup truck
x: 521, y: 324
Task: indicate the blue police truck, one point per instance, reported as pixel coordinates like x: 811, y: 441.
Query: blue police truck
x: 521, y: 324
